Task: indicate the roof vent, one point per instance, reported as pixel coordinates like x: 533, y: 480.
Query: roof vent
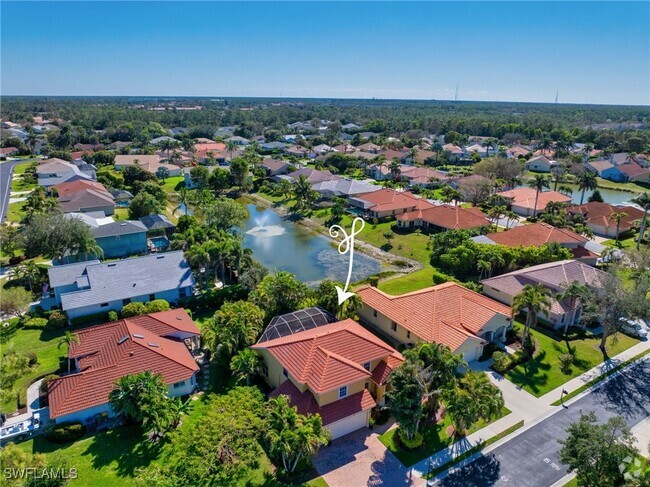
x: 160, y: 257
x: 112, y: 265
x: 122, y: 224
x: 179, y: 318
x: 151, y: 344
x: 122, y: 340
x: 137, y: 335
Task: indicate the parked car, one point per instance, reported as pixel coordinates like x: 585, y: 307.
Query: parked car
x: 634, y: 328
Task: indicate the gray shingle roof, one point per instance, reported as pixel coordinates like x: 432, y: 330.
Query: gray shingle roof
x: 61, y: 275
x: 155, y: 222
x: 123, y: 227
x: 126, y: 278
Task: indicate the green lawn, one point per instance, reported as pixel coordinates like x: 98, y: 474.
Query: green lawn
x: 15, y: 211
x: 19, y: 184
x: 121, y: 213
x: 22, y: 167
x: 435, y: 439
x: 627, y: 243
x: 410, y: 282
x: 44, y: 344
x: 174, y: 183
x: 542, y: 374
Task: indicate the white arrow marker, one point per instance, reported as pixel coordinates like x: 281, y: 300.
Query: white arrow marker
x: 347, y: 245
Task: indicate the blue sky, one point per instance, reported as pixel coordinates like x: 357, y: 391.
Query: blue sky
x: 592, y: 52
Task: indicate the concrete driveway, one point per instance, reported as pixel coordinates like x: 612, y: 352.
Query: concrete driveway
x: 359, y: 458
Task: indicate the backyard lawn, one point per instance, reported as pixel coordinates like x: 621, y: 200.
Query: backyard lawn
x: 44, y: 344
x: 542, y: 374
x: 174, y: 183
x: 435, y: 439
x: 15, y: 211
x: 410, y: 282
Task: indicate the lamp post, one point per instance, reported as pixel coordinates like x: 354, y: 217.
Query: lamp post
x: 562, y: 396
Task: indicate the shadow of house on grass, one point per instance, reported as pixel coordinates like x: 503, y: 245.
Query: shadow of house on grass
x: 128, y: 447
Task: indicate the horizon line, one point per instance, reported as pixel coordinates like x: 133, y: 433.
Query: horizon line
x: 328, y: 98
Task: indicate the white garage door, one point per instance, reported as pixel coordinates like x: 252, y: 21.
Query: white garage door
x: 349, y: 424
x: 473, y: 354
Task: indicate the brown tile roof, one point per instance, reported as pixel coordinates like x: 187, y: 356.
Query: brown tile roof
x: 422, y: 175
x: 388, y: 199
x: 210, y: 146
x: 330, y: 413
x: 110, y: 351
x: 329, y: 356
x: 600, y: 214
x: 85, y: 199
x: 633, y: 170
x: 525, y: 197
x: 67, y: 188
x: 449, y: 217
x: 447, y: 313
x: 536, y: 234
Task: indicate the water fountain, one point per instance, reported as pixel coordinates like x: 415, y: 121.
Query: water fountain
x: 262, y: 230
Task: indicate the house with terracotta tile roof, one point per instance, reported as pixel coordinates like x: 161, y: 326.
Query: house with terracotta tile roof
x: 448, y: 313
x: 606, y: 170
x: 339, y: 370
x: 8, y: 151
x: 522, y: 200
x: 149, y: 162
x: 423, y: 176
x: 388, y: 203
x: 555, y: 276
x: 598, y: 217
x: 635, y: 172
x: 539, y: 234
x: 53, y: 171
x: 87, y: 200
x: 517, y: 151
x: 159, y: 342
x: 443, y: 217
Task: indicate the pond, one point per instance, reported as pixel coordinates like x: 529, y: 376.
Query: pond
x: 280, y: 244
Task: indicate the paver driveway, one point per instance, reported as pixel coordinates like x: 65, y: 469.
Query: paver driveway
x: 360, y: 459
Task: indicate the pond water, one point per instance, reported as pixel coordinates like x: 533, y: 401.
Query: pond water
x: 280, y: 244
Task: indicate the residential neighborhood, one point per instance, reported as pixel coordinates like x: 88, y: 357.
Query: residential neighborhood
x: 357, y: 266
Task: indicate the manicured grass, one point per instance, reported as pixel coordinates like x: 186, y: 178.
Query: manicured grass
x: 109, y: 458
x: 121, y: 214
x: 410, y: 282
x: 19, y: 184
x: 50, y: 358
x: 629, y: 186
x: 473, y: 450
x: 627, y: 243
x: 15, y: 212
x: 542, y: 373
x: 174, y: 183
x: 435, y: 439
x: 601, y: 378
x: 22, y: 167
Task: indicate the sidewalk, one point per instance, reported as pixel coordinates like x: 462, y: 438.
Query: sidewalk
x: 448, y: 454
x: 581, y: 380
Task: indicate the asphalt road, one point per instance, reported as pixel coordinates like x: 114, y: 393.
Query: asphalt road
x: 6, y: 171
x: 531, y: 458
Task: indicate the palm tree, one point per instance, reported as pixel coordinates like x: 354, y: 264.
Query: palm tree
x: 483, y: 266
x: 246, y: 364
x: 395, y: 168
x: 176, y: 409
x: 572, y: 293
x: 303, y: 194
x: 544, y: 144
x: 538, y: 183
x: 68, y: 339
x: 184, y: 198
x: 618, y: 217
x: 231, y: 147
x: 534, y: 299
x: 643, y: 200
x: 586, y: 181
x: 449, y: 194
x: 564, y: 189
x: 558, y: 175
x: 198, y: 258
x: 495, y: 213
x: 487, y: 145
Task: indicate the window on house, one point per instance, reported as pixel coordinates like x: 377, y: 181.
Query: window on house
x: 104, y: 305
x: 285, y: 373
x: 152, y: 297
x: 408, y: 334
x: 343, y: 391
x: 179, y: 384
x: 182, y: 293
x: 367, y: 366
x: 125, y: 301
x: 393, y: 326
x: 374, y: 313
